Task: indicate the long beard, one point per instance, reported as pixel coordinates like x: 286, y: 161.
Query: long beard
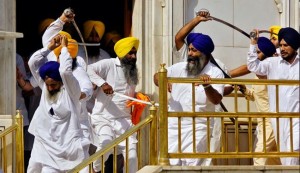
x: 53, y: 96
x: 130, y: 70
x: 194, y: 69
x: 93, y: 50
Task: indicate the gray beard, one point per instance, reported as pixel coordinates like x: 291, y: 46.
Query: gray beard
x: 195, y: 69
x: 53, y: 98
x: 131, y: 74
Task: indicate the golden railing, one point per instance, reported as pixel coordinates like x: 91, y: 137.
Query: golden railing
x: 236, y: 114
x: 16, y: 130
x: 151, y: 122
x: 158, y: 131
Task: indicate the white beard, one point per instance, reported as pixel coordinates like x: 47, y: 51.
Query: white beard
x: 52, y: 98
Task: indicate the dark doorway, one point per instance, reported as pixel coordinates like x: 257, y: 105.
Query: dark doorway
x: 114, y: 14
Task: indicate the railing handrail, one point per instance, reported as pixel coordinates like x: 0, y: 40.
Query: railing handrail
x: 8, y: 130
x: 163, y: 82
x: 114, y: 144
x: 17, y: 127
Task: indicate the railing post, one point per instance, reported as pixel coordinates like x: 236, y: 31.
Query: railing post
x: 163, y: 116
x: 19, y: 143
x: 153, y: 135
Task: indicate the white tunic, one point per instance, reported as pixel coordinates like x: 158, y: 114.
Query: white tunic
x: 181, y: 100
x: 110, y: 116
x: 79, y: 73
x: 58, y: 137
x: 278, y: 68
x: 108, y: 107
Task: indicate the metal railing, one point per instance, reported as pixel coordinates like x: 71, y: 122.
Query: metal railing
x: 235, y: 114
x: 16, y: 131
x: 151, y: 122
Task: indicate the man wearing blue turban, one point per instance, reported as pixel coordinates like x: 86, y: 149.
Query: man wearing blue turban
x: 197, y: 53
x: 58, y: 145
x: 259, y: 94
x: 285, y: 67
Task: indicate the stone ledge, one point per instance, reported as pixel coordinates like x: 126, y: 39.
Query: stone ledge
x: 5, y: 34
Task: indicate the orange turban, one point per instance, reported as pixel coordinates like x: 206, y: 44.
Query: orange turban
x: 274, y: 31
x: 66, y: 34
x: 113, y: 36
x: 44, y: 24
x: 72, y: 48
x: 90, y: 24
x: 123, y: 46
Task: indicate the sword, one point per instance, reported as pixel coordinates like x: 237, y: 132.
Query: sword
x: 134, y: 99
x: 70, y: 12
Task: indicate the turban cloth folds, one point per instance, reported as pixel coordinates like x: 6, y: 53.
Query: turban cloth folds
x: 274, y: 31
x: 290, y: 36
x: 266, y: 46
x: 65, y: 33
x: 112, y: 36
x: 201, y: 42
x: 123, y: 46
x: 50, y: 69
x: 44, y: 24
x: 72, y: 48
x: 90, y: 24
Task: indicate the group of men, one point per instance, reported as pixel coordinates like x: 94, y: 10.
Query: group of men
x: 61, y: 125
x: 263, y: 60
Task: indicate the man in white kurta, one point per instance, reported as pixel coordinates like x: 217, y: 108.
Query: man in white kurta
x: 110, y: 116
x: 199, y: 48
x: 55, y: 124
x: 79, y: 72
x: 284, y: 67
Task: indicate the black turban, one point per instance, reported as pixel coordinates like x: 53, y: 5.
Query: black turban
x: 290, y: 36
x: 266, y: 46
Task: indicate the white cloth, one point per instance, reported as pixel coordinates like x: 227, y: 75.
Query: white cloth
x: 58, y: 137
x: 110, y: 116
x: 181, y: 100
x: 278, y: 68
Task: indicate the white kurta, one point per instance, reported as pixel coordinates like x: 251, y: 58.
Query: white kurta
x: 58, y: 138
x: 181, y: 100
x: 110, y: 116
x: 278, y: 68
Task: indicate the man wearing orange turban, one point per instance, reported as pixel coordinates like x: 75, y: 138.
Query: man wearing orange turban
x: 111, y: 117
x: 93, y: 32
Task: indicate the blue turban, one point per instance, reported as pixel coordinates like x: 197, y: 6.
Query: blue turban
x: 266, y: 46
x: 290, y: 36
x: 201, y: 42
x: 50, y: 69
